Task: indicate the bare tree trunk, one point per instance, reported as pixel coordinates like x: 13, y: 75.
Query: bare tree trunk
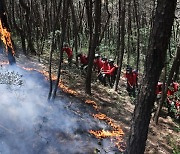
x: 75, y: 29
x: 28, y: 24
x: 129, y: 32
x: 95, y: 42
x: 19, y: 30
x: 89, y: 6
x: 63, y: 22
x: 119, y: 32
x: 51, y: 51
x: 122, y: 44
x: 106, y: 24
x: 158, y: 45
x: 136, y: 4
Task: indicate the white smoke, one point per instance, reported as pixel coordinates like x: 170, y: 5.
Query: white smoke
x: 30, y: 125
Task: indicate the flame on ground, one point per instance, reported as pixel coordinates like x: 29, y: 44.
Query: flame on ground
x: 93, y: 103
x: 6, y: 38
x: 116, y: 134
x: 54, y: 78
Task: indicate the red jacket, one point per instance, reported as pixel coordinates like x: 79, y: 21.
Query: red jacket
x: 83, y: 59
x: 159, y: 88
x: 174, y: 88
x: 98, y: 63
x: 131, y: 78
x: 68, y: 51
x: 105, y: 67
x: 112, y: 70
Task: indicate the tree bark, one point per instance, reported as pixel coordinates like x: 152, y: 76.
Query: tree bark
x: 129, y: 31
x: 29, y: 26
x: 122, y: 45
x: 95, y: 42
x: 158, y: 45
x: 51, y: 51
x: 136, y: 4
x: 19, y: 30
x: 75, y: 29
x: 63, y: 23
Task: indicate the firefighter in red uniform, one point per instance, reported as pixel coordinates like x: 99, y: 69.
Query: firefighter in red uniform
x: 83, y: 60
x: 69, y: 53
x: 98, y: 63
x: 159, y: 88
x: 173, y: 88
x: 111, y: 73
x: 131, y: 81
x: 102, y: 74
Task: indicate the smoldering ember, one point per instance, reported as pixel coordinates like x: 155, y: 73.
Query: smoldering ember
x: 29, y: 124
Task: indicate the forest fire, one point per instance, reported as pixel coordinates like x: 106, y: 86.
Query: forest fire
x: 53, y: 77
x: 115, y: 134
x: 93, y: 103
x: 6, y: 38
x: 45, y: 128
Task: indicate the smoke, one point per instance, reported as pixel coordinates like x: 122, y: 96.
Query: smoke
x: 30, y: 125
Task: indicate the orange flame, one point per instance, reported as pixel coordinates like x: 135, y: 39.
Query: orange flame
x: 6, y: 38
x: 93, y: 103
x: 46, y: 74
x: 115, y: 134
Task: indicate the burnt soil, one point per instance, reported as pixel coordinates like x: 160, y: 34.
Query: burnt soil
x: 163, y: 138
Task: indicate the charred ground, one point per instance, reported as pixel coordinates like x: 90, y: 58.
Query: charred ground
x: 116, y: 105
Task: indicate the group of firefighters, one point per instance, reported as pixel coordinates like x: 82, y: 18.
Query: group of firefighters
x: 107, y: 70
x: 173, y: 102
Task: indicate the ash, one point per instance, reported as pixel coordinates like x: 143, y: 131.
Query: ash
x: 31, y: 125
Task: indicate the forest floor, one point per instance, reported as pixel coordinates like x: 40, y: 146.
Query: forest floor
x: 162, y: 138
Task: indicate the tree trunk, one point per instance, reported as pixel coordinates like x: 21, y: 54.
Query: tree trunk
x: 129, y: 32
x: 119, y: 32
x: 159, y: 39
x: 95, y: 42
x: 51, y: 51
x: 29, y: 26
x: 75, y: 29
x: 136, y: 4
x: 89, y: 6
x: 19, y: 30
x: 4, y: 22
x: 64, y: 24
x: 122, y: 45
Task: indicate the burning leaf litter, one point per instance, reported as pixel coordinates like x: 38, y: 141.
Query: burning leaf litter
x: 116, y: 134
x: 93, y: 103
